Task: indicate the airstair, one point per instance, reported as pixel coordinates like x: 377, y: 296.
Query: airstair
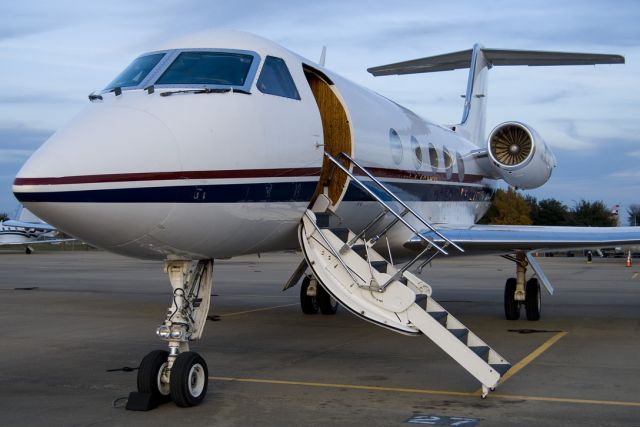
x: 371, y: 287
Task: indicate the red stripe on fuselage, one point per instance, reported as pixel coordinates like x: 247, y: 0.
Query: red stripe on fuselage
x: 166, y: 176
x: 232, y: 173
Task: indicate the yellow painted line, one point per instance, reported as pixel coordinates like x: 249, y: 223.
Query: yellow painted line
x: 566, y: 400
x: 532, y: 356
x: 347, y: 386
x: 528, y: 359
x: 256, y: 310
x: 431, y: 392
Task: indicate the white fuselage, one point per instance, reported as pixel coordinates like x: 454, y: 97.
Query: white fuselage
x: 210, y: 175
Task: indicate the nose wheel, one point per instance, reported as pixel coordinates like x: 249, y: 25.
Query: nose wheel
x: 189, y: 379
x: 150, y: 376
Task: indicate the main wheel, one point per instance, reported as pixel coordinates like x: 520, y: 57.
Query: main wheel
x: 511, y: 306
x: 189, y: 379
x: 533, y: 299
x: 308, y: 303
x: 150, y: 376
x: 327, y: 304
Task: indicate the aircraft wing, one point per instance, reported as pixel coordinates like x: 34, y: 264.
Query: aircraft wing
x: 509, y: 238
x: 36, y: 242
x: 41, y: 226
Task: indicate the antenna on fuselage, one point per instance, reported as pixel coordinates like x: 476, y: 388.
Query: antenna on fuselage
x: 323, y: 56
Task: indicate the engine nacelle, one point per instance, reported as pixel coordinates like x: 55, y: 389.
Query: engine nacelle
x: 519, y: 155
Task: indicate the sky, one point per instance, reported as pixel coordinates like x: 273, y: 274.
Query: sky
x: 54, y: 53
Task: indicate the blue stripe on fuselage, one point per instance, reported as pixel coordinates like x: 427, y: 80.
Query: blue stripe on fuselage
x: 256, y: 193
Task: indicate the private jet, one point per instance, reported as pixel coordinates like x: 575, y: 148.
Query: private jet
x: 222, y: 144
x: 28, y: 230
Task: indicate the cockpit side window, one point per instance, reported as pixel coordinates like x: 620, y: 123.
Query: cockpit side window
x: 136, y: 72
x: 275, y: 79
x: 207, y: 68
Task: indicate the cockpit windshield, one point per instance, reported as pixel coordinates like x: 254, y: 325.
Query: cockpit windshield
x: 207, y: 68
x: 192, y: 68
x: 136, y: 72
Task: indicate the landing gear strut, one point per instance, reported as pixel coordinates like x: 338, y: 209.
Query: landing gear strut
x: 517, y: 292
x: 314, y: 297
x: 179, y: 374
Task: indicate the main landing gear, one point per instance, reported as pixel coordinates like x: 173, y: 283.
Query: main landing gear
x: 314, y: 297
x: 517, y: 292
x: 179, y: 374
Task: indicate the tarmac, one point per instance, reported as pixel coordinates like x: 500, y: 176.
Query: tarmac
x: 70, y: 321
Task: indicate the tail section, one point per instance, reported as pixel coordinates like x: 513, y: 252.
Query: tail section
x: 473, y: 123
x: 479, y: 60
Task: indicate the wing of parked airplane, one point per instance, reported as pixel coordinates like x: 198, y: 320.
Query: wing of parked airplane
x: 39, y: 226
x: 28, y: 230
x: 509, y: 238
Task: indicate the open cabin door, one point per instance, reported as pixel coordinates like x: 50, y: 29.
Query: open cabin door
x: 336, y: 131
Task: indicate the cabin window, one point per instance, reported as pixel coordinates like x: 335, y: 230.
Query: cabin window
x: 433, y: 157
x: 208, y: 68
x: 417, y: 151
x: 448, y: 162
x: 396, y: 146
x: 460, y: 167
x: 275, y: 79
x: 136, y: 72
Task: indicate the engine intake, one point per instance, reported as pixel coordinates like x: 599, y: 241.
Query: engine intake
x: 520, y: 156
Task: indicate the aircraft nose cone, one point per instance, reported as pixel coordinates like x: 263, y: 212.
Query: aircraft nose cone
x: 102, y: 150
x: 109, y: 140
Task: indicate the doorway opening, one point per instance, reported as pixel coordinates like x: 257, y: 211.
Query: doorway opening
x: 336, y: 132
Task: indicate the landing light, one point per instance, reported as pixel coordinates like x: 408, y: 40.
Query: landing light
x: 163, y: 332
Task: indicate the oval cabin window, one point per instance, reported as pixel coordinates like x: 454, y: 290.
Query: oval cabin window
x: 396, y: 146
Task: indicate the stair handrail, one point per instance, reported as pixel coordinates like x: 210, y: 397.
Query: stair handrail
x: 382, y: 202
x: 396, y: 198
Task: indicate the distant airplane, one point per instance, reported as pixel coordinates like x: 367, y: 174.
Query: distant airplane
x: 28, y: 230
x: 223, y: 144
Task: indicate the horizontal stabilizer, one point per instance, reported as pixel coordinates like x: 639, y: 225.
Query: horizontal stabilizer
x: 494, y: 57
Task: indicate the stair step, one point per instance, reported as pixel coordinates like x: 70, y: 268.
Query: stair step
x: 421, y: 300
x: 482, y: 351
x: 341, y: 233
x: 501, y: 368
x: 461, y: 334
x: 381, y: 266
x: 322, y: 219
x: 360, y: 250
x: 440, y: 316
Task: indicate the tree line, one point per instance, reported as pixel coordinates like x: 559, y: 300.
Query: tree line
x: 512, y: 208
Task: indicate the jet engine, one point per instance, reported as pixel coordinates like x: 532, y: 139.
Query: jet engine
x: 519, y: 155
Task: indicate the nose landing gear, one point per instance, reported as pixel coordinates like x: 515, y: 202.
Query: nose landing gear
x: 178, y: 374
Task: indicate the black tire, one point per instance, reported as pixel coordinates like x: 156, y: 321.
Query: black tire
x: 149, y: 376
x: 327, y: 304
x: 189, y: 379
x: 533, y: 299
x: 308, y: 304
x: 511, y: 306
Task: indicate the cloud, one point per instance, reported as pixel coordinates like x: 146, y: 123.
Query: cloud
x: 555, y: 96
x: 36, y: 98
x: 19, y: 136
x: 629, y: 174
x: 12, y: 155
